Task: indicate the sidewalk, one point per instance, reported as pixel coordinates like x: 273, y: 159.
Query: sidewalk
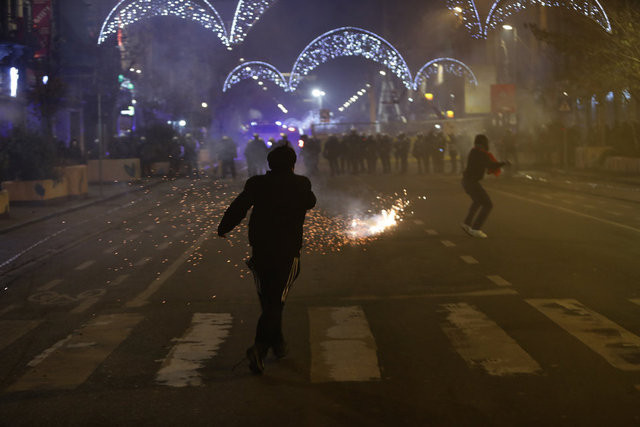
x: 23, y: 215
x: 621, y: 187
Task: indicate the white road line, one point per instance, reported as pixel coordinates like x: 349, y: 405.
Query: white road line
x: 431, y: 232
x: 481, y: 342
x: 119, y: 280
x: 469, y: 259
x: 163, y: 246
x: 12, y: 330
x: 342, y: 345
x: 615, y: 344
x: 499, y: 281
x: 483, y: 293
x: 50, y: 285
x: 200, y: 342
x: 546, y: 196
x: 418, y: 221
x: 8, y: 309
x: 448, y: 243
x: 111, y: 250
x: 585, y: 205
x: 69, y: 362
x: 132, y: 237
x: 149, y: 227
x: 143, y: 261
x: 635, y: 301
x: 153, y: 287
x: 85, y: 265
x: 604, y: 221
x: 86, y: 304
x: 614, y: 213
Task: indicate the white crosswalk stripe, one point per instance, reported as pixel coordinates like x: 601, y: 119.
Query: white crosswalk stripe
x: 70, y: 361
x: 342, y: 345
x: 201, y: 342
x: 482, y: 343
x: 615, y: 344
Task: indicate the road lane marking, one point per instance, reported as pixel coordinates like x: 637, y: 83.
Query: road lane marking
x: 482, y: 343
x: 149, y: 228
x: 342, y: 345
x: 469, y: 259
x: 50, y: 285
x: 497, y: 280
x: 131, y: 239
x: 86, y: 304
x: 200, y: 342
x: 119, y: 280
x: 614, y: 213
x: 111, y: 250
x: 143, y: 261
x: 615, y: 344
x: 483, y: 293
x: 70, y: 361
x: 635, y: 301
x: 8, y: 309
x: 560, y: 208
x: 431, y: 232
x: 85, y: 265
x: 448, y: 243
x: 12, y: 330
x: 142, y: 298
x: 164, y: 246
x: 418, y: 221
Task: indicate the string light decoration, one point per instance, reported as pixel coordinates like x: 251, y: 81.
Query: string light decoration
x: 128, y: 12
x: 502, y: 9
x: 450, y: 65
x: 256, y: 70
x: 467, y: 11
x: 247, y: 14
x: 349, y: 41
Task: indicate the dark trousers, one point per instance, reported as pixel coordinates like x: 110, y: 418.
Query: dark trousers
x: 273, y: 280
x: 481, y: 201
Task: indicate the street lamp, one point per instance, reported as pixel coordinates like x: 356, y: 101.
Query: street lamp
x: 318, y: 93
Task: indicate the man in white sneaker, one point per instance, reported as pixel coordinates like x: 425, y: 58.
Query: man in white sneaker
x: 480, y: 160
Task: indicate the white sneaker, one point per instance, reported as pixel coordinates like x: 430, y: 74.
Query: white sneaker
x: 478, y: 233
x: 466, y: 228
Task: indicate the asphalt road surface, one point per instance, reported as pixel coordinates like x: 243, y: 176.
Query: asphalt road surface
x: 133, y: 312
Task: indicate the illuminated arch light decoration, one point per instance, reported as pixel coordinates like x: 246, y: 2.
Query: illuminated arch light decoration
x: 469, y: 14
x: 128, y: 12
x: 502, y: 9
x: 350, y: 41
x: 255, y: 70
x: 450, y: 65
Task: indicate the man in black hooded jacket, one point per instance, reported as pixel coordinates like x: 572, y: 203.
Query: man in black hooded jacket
x: 280, y: 200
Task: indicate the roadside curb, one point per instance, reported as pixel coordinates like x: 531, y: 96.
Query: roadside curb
x: 77, y: 207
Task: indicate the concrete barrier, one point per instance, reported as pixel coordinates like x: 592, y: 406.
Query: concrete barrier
x: 77, y: 180
x: 4, y: 203
x: 114, y: 170
x: 622, y: 164
x: 160, y: 168
x: 591, y: 157
x: 36, y: 191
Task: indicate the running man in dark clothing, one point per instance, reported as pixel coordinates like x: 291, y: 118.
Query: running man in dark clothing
x: 479, y: 161
x: 280, y: 201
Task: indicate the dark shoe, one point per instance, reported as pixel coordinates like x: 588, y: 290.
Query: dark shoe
x: 256, y: 365
x: 280, y: 350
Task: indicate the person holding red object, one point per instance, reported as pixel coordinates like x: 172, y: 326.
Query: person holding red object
x: 480, y: 160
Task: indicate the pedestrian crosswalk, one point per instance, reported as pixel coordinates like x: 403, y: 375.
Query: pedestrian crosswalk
x: 343, y: 343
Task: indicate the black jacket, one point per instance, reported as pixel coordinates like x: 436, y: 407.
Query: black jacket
x: 478, y: 162
x: 280, y: 202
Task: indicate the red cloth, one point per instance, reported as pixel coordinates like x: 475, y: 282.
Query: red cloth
x: 497, y: 171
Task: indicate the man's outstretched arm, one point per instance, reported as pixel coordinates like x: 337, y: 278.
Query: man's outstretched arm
x: 236, y: 212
